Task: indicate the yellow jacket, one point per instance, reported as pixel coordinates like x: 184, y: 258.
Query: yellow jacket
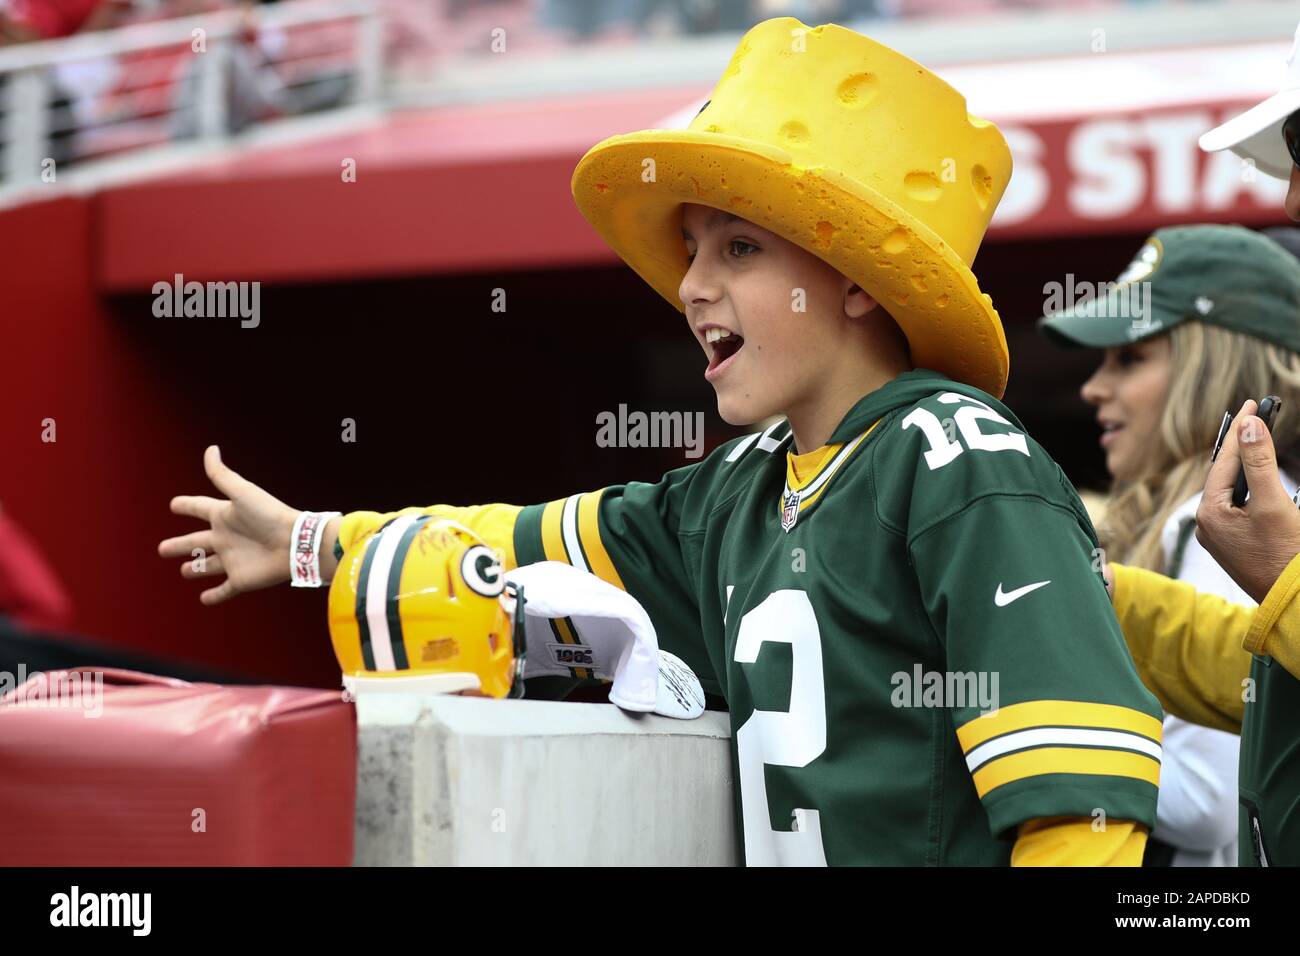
x: 1193, y: 651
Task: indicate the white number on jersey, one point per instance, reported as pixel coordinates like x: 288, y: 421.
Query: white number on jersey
x: 967, y: 419
x: 792, y: 738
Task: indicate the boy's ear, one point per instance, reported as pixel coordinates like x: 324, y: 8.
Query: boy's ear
x: 857, y: 302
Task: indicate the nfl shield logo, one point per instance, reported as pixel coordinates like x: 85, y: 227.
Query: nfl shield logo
x: 790, y: 513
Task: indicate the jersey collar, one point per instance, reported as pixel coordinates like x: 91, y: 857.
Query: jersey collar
x: 808, y: 475
x: 905, y: 389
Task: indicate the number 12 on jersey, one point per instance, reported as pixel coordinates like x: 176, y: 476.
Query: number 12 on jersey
x: 792, y: 738
x: 967, y: 418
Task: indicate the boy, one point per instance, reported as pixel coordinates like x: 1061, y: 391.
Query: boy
x: 850, y: 577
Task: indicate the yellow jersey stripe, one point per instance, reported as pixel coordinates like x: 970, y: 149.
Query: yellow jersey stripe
x: 589, y: 532
x: 1078, y: 760
x: 586, y: 536
x: 1056, y: 713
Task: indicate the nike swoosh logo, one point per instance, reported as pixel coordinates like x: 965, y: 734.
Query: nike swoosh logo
x: 1002, y: 599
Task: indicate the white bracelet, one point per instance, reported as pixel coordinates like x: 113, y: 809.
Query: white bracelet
x: 304, y: 553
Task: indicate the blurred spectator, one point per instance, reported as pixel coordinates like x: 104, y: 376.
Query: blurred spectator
x: 1288, y: 237
x: 253, y: 89
x: 583, y: 20
x: 731, y: 16
x: 613, y: 20
x: 23, y: 20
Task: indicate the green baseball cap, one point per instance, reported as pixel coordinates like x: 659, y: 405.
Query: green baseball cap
x: 1228, y: 276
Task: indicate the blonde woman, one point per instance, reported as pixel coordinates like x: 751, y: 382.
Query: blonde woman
x: 1203, y: 318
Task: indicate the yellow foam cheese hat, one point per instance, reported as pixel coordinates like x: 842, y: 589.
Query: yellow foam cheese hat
x: 844, y: 147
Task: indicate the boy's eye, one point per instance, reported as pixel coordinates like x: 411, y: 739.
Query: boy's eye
x: 690, y: 256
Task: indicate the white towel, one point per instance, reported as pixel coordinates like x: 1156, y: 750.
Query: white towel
x: 573, y: 620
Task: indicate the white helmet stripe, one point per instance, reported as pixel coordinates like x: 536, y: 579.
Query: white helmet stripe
x: 377, y: 592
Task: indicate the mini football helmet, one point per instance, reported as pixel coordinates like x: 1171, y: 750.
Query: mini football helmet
x: 422, y: 603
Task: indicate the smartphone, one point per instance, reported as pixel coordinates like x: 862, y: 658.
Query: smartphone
x: 1268, y: 408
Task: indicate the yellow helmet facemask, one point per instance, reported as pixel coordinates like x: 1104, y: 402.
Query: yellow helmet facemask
x: 423, y: 604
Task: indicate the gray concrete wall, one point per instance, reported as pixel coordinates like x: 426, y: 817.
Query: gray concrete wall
x: 445, y: 780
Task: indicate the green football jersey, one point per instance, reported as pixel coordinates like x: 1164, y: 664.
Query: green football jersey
x: 1269, y: 771
x: 914, y: 642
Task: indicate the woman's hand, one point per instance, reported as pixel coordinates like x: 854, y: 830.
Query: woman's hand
x: 248, y: 538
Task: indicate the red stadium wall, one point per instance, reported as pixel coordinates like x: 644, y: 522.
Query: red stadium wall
x: 96, y: 498
x: 441, y: 415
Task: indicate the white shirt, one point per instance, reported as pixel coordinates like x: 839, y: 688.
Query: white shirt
x: 1197, y: 811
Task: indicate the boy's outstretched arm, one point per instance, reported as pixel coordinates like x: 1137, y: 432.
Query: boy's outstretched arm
x: 494, y: 523
x: 626, y: 535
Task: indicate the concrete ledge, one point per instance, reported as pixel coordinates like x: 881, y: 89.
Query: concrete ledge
x: 466, y: 781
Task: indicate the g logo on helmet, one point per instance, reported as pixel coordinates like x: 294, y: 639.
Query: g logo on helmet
x: 481, y: 569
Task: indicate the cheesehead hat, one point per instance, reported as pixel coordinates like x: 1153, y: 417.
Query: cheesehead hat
x: 844, y: 147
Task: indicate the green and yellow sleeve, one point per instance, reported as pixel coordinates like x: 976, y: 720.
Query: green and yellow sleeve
x: 632, y: 537
x: 495, y: 524
x: 1275, y: 626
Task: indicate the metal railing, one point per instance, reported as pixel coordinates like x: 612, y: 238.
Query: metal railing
x: 183, y: 79
x: 391, y: 54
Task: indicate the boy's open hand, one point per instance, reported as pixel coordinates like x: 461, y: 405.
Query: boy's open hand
x: 247, y: 540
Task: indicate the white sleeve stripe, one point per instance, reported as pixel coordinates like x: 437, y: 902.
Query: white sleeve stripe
x: 1060, y: 737
x: 569, y: 528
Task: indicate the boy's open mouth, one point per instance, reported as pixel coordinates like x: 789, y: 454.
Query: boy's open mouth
x: 724, y: 347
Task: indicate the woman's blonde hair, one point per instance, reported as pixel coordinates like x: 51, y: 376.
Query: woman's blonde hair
x: 1212, y: 370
